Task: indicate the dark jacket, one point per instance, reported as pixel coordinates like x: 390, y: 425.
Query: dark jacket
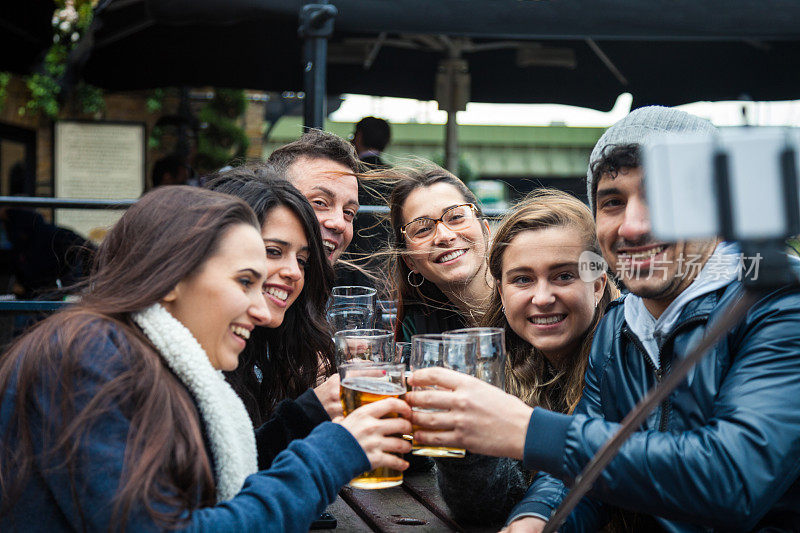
x: 723, y: 451
x: 421, y: 319
x: 301, y: 482
x: 481, y: 490
x: 292, y: 419
x: 371, y: 233
x: 45, y: 257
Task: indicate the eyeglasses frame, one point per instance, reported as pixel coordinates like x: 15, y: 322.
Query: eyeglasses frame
x: 437, y: 221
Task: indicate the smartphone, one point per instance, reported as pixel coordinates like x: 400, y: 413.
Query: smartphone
x: 681, y: 190
x: 325, y: 521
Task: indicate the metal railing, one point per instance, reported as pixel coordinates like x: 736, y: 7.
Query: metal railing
x: 65, y: 203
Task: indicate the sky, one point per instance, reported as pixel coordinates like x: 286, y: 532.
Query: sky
x: 403, y: 110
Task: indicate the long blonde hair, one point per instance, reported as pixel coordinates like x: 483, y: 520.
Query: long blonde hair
x: 529, y: 375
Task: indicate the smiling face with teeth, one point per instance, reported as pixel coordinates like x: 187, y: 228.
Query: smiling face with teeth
x: 546, y: 303
x: 221, y: 303
x: 286, y: 244
x: 451, y: 260
x: 649, y: 268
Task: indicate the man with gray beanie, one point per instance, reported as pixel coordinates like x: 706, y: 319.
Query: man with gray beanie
x: 723, y: 451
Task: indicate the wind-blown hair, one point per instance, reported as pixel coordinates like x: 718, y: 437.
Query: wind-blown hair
x: 164, y: 238
x: 529, y: 375
x: 407, y: 180
x: 288, y: 358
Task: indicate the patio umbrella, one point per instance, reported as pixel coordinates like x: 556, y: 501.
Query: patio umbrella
x: 26, y: 32
x: 581, y: 52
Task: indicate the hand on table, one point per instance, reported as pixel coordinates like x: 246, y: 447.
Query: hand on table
x: 477, y: 416
x: 528, y: 524
x: 328, y: 395
x: 379, y: 436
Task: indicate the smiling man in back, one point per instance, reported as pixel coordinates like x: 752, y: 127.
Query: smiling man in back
x: 323, y: 166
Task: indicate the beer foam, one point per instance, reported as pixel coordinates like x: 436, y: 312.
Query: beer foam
x: 373, y: 385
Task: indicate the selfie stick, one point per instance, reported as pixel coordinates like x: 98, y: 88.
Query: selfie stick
x: 777, y: 272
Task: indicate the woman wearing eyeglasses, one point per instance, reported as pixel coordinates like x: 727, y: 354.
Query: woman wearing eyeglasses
x: 440, y: 239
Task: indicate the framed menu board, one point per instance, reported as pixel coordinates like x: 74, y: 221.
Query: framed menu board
x: 102, y: 160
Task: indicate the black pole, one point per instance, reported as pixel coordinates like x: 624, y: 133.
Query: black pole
x: 316, y: 26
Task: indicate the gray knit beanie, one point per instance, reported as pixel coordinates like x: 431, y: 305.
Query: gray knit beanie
x: 639, y: 126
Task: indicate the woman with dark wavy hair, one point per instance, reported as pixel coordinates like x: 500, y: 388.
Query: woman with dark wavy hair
x: 293, y: 352
x: 114, y: 412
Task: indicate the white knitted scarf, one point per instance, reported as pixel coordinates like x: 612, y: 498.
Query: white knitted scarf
x: 229, y: 429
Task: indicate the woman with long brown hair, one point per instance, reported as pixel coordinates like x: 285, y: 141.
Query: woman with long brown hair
x: 549, y: 312
x: 115, y: 414
x: 438, y: 260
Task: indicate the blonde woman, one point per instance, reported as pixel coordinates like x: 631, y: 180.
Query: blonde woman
x: 549, y: 314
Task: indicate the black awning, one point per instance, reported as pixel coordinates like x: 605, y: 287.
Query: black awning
x: 574, y: 52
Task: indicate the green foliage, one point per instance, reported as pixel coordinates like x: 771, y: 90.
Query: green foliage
x: 230, y: 102
x: 155, y: 101
x: 70, y: 21
x: 5, y: 79
x: 221, y: 139
x: 154, y: 141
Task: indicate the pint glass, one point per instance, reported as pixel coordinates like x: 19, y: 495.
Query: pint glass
x: 490, y: 354
x: 369, y: 344
x: 364, y: 382
x: 351, y: 307
x: 457, y: 353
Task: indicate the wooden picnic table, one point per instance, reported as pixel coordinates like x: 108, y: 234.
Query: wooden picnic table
x: 414, y: 506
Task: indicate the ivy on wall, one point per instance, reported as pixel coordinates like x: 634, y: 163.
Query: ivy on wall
x: 70, y: 21
x: 221, y: 139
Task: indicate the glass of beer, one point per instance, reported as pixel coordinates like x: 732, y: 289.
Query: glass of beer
x: 368, y: 344
x: 454, y: 352
x: 364, y: 382
x: 490, y: 355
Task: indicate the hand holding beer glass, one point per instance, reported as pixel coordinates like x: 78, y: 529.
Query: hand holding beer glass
x: 460, y: 409
x: 365, y: 383
x: 457, y: 353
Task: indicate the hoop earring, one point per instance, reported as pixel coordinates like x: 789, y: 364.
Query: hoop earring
x: 503, y: 309
x: 416, y: 285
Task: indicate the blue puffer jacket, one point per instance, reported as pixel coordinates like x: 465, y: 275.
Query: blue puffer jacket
x: 723, y: 452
